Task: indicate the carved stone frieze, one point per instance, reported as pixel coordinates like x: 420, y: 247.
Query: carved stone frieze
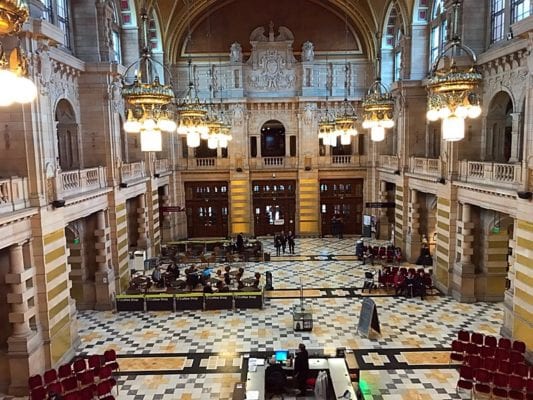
x: 272, y: 72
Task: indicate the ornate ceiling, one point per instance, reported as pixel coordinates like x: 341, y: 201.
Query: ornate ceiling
x: 231, y: 20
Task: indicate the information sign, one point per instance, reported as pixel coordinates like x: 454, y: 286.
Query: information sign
x: 368, y: 318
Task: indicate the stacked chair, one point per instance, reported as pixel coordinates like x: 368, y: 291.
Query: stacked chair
x: 491, y: 368
x: 83, y: 379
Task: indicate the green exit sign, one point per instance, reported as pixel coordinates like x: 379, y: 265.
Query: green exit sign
x: 77, y: 241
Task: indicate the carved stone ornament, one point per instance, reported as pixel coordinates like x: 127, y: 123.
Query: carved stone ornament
x: 235, y: 53
x: 308, y: 52
x: 238, y: 115
x: 272, y: 73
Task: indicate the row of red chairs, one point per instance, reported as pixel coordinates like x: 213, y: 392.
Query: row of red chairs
x: 81, y: 379
x: 487, y: 340
x: 494, y: 384
x: 460, y: 350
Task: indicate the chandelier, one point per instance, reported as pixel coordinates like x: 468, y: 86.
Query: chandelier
x: 452, y: 90
x: 345, y: 122
x: 378, y: 106
x: 219, y: 130
x: 16, y: 87
x: 192, y: 117
x: 148, y: 102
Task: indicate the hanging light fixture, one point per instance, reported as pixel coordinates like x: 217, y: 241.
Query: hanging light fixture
x: 378, y: 107
x: 148, y: 102
x: 16, y: 87
x: 345, y: 121
x: 192, y: 116
x: 326, y: 128
x: 452, y: 90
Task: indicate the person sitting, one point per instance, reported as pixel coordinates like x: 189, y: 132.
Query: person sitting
x: 257, y: 280
x: 410, y: 284
x: 368, y: 255
x: 173, y: 270
x: 239, y: 274
x: 399, y: 283
x: 157, y: 277
x: 208, y: 288
x: 222, y: 287
x: 275, y: 377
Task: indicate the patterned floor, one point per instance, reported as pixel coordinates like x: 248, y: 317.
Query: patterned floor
x: 198, y: 355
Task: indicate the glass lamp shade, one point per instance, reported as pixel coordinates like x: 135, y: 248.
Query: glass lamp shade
x: 132, y: 126
x: 223, y: 141
x: 212, y: 142
x: 193, y: 139
x: 151, y: 140
x: 8, y: 82
x: 377, y: 133
x: 346, y: 139
x: 453, y: 128
x: 25, y: 92
x: 167, y: 125
x: 149, y: 124
x: 432, y: 115
x: 474, y: 111
x: 387, y: 124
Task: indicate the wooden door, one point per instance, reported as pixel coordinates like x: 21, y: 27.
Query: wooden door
x: 274, y: 205
x: 342, y: 198
x: 206, y: 204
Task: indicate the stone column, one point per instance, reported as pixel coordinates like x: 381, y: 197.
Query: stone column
x: 24, y: 344
x: 515, y: 137
x: 384, y: 226
x: 142, y: 219
x: 463, y: 277
x: 166, y: 234
x: 104, y: 276
x: 412, y: 245
x: 508, y: 316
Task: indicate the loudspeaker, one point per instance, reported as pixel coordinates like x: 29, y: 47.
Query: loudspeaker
x: 442, y: 181
x: 397, y: 172
x: 238, y: 169
x: 123, y: 185
x: 510, y: 35
x: 156, y: 175
x: 308, y: 168
x: 58, y: 203
x: 524, y: 195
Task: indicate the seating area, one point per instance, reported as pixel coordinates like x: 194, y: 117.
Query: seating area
x: 406, y: 281
x: 491, y: 368
x: 83, y: 379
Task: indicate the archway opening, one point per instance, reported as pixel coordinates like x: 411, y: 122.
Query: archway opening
x: 272, y: 139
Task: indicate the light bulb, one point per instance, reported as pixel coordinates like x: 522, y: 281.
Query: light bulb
x: 474, y: 111
x: 26, y: 91
x: 7, y: 83
x: 182, y: 129
x: 166, y: 125
x: 444, y: 112
x: 432, y: 115
x: 352, y: 132
x: 149, y: 124
x: 367, y: 124
x: 132, y: 126
x: 377, y: 133
x: 151, y: 140
x: 193, y: 139
x: 346, y: 139
x: 461, y: 111
x: 212, y: 142
x: 223, y: 142
x: 453, y: 128
x: 387, y: 124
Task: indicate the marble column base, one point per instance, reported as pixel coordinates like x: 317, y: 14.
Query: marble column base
x: 26, y: 358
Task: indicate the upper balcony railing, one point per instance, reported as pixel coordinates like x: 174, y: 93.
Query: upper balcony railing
x: 488, y: 173
x: 13, y: 194
x: 425, y: 166
x: 267, y: 163
x: 132, y: 171
x: 345, y: 161
x: 80, y: 181
x: 391, y: 162
x: 162, y: 166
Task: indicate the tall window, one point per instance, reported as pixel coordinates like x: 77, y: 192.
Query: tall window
x: 115, y: 36
x: 398, y: 56
x: 63, y: 20
x: 520, y: 9
x: 497, y: 19
x: 438, y: 30
x: 48, y: 11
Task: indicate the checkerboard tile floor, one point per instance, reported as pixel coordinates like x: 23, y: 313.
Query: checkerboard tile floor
x: 207, y: 348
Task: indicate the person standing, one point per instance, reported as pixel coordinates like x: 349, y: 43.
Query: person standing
x: 301, y: 368
x: 290, y: 241
x: 283, y: 241
x: 334, y: 230
x: 277, y: 243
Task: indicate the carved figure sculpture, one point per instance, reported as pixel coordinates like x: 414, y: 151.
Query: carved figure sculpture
x: 235, y: 53
x: 308, y: 51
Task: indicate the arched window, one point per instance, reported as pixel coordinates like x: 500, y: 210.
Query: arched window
x: 391, y: 51
x: 438, y: 28
x: 115, y: 36
x: 398, y: 55
x: 272, y: 139
x: 67, y: 136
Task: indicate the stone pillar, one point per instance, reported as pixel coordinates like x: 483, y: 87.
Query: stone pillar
x: 24, y: 343
x: 104, y: 276
x: 508, y: 316
x: 515, y: 137
x: 384, y: 226
x: 412, y: 245
x: 143, y: 242
x: 463, y: 279
x: 166, y: 232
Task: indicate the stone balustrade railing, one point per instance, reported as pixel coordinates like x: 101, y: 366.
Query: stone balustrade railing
x: 209, y: 162
x: 132, y: 171
x: 273, y: 161
x: 161, y: 166
x: 489, y: 173
x: 342, y: 161
x: 391, y: 162
x: 73, y: 183
x: 13, y: 194
x: 425, y: 166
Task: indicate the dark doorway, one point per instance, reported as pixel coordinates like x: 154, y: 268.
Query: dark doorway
x: 274, y: 206
x: 207, y: 209
x: 272, y: 139
x: 341, y: 198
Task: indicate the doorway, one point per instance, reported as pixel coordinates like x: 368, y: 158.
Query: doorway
x: 274, y: 206
x: 341, y: 199
x: 207, y: 209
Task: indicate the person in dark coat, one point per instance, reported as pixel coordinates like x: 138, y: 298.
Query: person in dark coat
x: 290, y: 241
x: 277, y: 244
x: 301, y: 368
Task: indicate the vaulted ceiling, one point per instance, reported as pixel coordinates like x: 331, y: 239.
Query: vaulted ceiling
x: 215, y: 24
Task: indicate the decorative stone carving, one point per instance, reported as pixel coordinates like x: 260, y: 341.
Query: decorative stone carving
x: 238, y: 115
x: 272, y: 73
x: 235, y: 53
x: 308, y: 52
x: 308, y: 113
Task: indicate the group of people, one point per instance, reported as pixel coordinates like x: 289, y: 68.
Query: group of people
x: 389, y: 254
x: 337, y: 226
x: 281, y: 241
x: 276, y: 377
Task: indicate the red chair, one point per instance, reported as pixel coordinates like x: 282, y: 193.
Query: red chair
x: 50, y: 376
x: 504, y: 343
x: 529, y: 388
x: 477, y: 338
x: 103, y: 391
x: 69, y: 384
x: 505, y: 367
x: 500, y: 383
x: 483, y: 383
x: 490, y: 364
x: 521, y: 369
x: 54, y: 387
x: 487, y: 351
x: 465, y: 382
x: 473, y: 361
x: 520, y: 346
x: 491, y: 341
x: 457, y: 351
x: 463, y: 336
x: 72, y: 396
x: 105, y: 375
x: 86, y: 379
x: 502, y: 354
x: 87, y: 393
x: 95, y: 363
x: 65, y: 371
x: 517, y: 385
x: 110, y: 357
x: 38, y: 394
x: 79, y: 365
x: 472, y: 348
x: 35, y: 381
x: 516, y: 357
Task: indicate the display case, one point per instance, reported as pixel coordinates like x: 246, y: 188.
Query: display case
x: 302, y: 318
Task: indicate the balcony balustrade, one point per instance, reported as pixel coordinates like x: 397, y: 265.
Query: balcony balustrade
x: 389, y: 162
x: 130, y: 172
x: 488, y: 173
x: 425, y: 166
x: 13, y: 194
x: 78, y: 182
x: 345, y: 161
x: 162, y: 166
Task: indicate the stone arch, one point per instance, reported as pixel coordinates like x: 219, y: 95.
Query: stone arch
x: 503, y: 129
x: 273, y: 138
x: 68, y: 137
